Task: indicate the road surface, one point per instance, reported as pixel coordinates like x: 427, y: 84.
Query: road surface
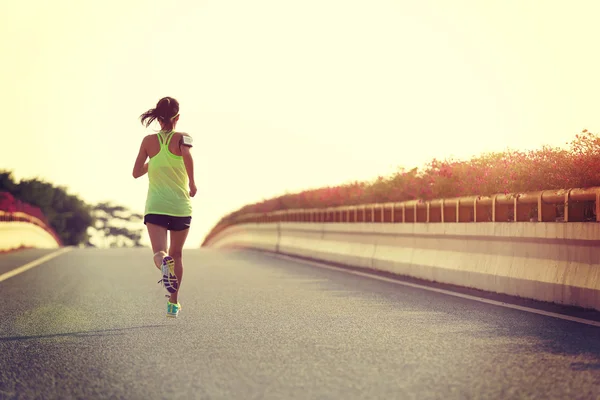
x: 91, y: 324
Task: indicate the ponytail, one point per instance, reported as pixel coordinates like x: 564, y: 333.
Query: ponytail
x: 148, y: 117
x: 166, y: 109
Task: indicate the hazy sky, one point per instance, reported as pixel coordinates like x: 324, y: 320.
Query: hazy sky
x: 287, y: 95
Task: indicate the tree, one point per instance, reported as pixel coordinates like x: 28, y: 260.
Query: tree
x: 7, y: 182
x: 67, y: 215
x: 114, y: 226
x: 73, y: 220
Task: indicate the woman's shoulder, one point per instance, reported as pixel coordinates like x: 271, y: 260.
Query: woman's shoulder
x: 148, y: 137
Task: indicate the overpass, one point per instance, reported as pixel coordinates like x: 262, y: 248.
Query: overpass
x: 319, y: 304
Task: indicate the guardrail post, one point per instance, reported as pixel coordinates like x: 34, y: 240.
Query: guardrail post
x: 597, y: 203
x: 546, y: 212
x: 403, y: 213
x: 499, y: 211
x: 482, y: 212
x: 522, y: 211
x: 449, y: 211
x: 567, y: 205
x: 463, y: 214
x: 457, y: 210
x: 435, y: 212
x: 574, y: 212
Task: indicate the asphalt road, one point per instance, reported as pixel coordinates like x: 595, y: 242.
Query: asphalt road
x: 91, y: 324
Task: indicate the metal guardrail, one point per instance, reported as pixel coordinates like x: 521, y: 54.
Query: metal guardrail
x: 564, y: 205
x: 6, y: 216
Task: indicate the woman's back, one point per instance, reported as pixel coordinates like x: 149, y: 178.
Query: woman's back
x: 168, y: 179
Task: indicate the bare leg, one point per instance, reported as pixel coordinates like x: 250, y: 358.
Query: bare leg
x: 158, y: 239
x: 176, y: 251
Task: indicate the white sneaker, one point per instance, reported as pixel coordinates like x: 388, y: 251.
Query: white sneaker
x: 169, y: 279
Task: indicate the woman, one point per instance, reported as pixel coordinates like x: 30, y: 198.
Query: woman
x: 168, y: 203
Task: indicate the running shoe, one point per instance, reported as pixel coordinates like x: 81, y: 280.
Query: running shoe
x: 173, y: 309
x: 169, y: 279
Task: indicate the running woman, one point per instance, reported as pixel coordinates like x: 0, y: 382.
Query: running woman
x: 171, y: 185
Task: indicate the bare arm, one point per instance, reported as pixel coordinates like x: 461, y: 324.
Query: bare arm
x: 140, y: 167
x: 188, y: 161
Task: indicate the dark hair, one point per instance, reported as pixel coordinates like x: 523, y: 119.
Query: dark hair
x: 165, y: 110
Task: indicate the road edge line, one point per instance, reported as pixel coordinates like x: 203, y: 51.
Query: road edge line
x: 33, y: 263
x: 444, y: 291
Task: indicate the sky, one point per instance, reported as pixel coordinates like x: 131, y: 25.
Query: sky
x: 284, y: 96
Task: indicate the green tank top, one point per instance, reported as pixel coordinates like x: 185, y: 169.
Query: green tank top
x: 168, y: 191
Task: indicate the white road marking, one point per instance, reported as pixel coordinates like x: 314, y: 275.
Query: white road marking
x: 448, y: 292
x: 33, y: 264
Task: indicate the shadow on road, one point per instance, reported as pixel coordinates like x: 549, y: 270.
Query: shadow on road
x: 97, y: 332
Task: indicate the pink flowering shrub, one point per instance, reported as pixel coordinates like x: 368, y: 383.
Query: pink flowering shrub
x: 511, y: 171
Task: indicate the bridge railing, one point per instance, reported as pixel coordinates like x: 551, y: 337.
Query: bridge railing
x: 563, y: 205
x: 18, y: 216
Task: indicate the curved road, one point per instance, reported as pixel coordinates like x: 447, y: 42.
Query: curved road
x: 90, y: 324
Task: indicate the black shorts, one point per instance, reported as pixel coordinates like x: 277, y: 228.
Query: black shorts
x: 168, y: 221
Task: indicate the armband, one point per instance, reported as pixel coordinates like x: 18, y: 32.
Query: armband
x: 187, y: 140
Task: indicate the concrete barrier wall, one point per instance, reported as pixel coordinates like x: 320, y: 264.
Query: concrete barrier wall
x: 258, y: 236
x: 15, y: 234
x: 554, y: 262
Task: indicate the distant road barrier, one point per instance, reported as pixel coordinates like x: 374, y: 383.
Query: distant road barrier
x: 540, y: 246
x: 564, y: 205
x: 18, y: 229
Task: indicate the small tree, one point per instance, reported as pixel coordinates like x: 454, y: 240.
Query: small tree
x: 114, y: 226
